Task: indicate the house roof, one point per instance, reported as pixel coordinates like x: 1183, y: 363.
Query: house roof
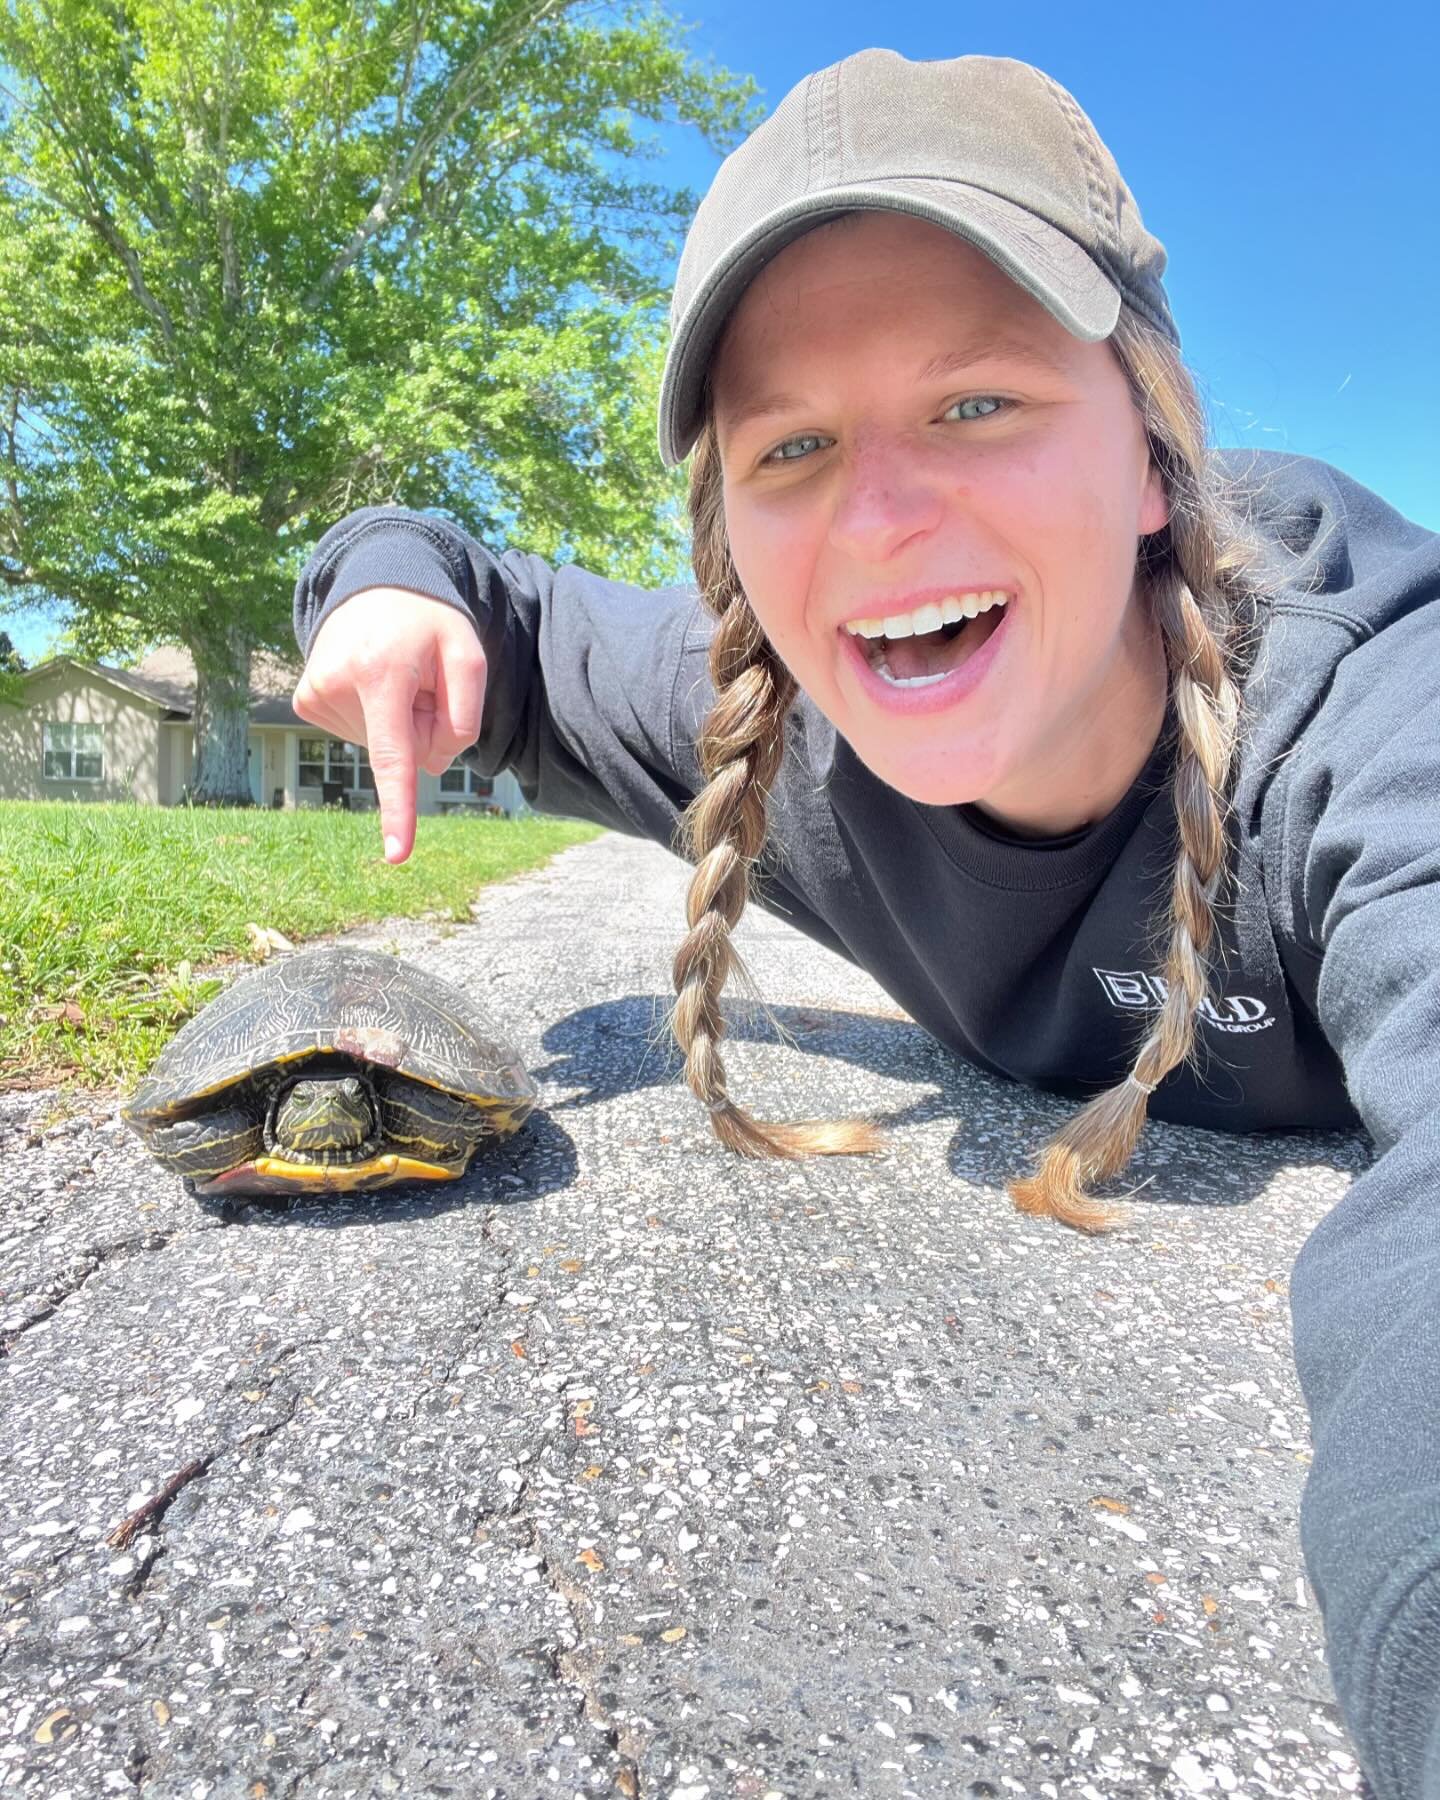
x: 158, y: 693
x: 166, y: 677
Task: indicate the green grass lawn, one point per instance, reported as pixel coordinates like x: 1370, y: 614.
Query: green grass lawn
x: 107, y: 911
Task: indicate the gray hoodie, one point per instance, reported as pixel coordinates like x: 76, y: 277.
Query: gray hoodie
x: 1325, y: 1006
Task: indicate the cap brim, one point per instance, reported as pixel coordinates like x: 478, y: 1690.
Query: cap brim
x: 1062, y: 276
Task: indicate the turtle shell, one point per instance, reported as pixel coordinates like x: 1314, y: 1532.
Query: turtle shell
x: 344, y: 1000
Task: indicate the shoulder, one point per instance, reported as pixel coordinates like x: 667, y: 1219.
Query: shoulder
x: 1335, y: 543
x: 1342, y: 703
x: 1349, y: 622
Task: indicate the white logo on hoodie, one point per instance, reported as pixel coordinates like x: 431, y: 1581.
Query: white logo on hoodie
x: 1135, y: 990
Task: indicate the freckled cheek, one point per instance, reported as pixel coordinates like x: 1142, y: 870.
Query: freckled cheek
x: 1020, y: 519
x: 775, y: 559
x: 1061, y: 525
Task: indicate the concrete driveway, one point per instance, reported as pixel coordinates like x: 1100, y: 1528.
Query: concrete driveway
x: 625, y: 1466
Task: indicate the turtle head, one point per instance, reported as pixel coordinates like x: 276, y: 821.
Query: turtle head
x: 319, y: 1114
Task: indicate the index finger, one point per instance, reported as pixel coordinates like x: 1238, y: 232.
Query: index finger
x: 390, y: 733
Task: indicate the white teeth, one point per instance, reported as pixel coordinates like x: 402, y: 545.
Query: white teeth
x: 930, y: 617
x: 914, y: 680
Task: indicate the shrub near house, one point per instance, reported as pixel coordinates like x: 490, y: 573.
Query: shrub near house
x: 84, y: 731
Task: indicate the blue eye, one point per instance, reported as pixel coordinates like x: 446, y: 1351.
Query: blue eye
x: 980, y: 400
x: 814, y: 438
x: 781, y: 451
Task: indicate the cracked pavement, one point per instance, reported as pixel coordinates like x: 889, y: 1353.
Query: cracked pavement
x: 624, y: 1466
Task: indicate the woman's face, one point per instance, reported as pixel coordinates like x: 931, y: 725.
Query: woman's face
x: 903, y: 429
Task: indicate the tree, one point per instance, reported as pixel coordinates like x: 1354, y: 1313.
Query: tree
x: 261, y: 264
x: 12, y: 668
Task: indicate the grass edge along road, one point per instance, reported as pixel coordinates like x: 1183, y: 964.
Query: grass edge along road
x: 107, y: 911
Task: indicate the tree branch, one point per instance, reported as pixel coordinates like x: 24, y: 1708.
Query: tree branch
x: 109, y: 232
x: 230, y: 288
x: 436, y: 197
x: 464, y: 87
x: 99, y: 218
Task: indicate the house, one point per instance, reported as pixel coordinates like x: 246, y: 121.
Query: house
x: 84, y: 731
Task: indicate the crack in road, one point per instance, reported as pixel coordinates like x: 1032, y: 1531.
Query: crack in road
x: 470, y: 1332
x: 262, y: 1434
x: 574, y: 1668
x: 312, y: 1686
x: 148, y: 1547
x: 135, y: 1765
x: 71, y: 1281
x: 508, y: 1255
x: 571, y: 1669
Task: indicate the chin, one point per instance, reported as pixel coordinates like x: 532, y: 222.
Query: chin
x: 927, y: 780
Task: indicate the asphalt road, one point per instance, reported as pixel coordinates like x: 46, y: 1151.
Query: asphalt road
x: 625, y: 1466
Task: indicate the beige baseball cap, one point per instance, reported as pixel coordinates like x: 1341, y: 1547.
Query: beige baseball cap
x: 989, y: 148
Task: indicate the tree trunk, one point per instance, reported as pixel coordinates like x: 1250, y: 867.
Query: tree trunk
x: 221, y: 770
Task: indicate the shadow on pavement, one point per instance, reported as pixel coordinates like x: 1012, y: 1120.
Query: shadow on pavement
x: 624, y: 1046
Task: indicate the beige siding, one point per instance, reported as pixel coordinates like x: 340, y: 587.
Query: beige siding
x: 178, y: 756
x: 19, y: 753
x: 130, y: 741
x: 149, y: 759
x: 172, y: 763
x: 275, y: 772
x: 508, y: 794
x: 430, y: 797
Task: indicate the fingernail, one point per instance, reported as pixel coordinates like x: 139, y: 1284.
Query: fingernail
x: 392, y: 848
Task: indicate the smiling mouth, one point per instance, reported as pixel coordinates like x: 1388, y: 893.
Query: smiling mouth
x: 920, y: 658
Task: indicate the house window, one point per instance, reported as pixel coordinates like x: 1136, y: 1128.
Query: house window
x: 458, y: 779
x: 312, y: 761
x: 74, y: 752
x: 328, y: 759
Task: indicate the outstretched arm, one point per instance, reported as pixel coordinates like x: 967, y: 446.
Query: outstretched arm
x: 1362, y: 835
x: 422, y: 642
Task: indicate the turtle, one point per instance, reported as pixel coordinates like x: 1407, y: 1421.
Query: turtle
x: 331, y: 1070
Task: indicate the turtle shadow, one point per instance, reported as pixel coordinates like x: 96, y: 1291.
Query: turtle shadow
x: 624, y: 1046
x: 537, y: 1159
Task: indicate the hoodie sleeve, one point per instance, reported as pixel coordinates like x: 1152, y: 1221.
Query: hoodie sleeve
x: 595, y: 691
x: 585, y: 676
x: 1361, y: 836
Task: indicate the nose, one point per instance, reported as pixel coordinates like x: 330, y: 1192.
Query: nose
x: 886, y: 500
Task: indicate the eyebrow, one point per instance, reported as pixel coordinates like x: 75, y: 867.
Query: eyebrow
x: 950, y: 362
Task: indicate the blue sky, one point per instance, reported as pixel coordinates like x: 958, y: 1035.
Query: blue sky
x: 1287, y: 156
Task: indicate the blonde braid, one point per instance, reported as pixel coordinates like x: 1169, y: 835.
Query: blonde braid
x: 1200, y: 576
x: 740, y: 746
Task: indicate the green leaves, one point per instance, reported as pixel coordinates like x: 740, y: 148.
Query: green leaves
x: 260, y: 265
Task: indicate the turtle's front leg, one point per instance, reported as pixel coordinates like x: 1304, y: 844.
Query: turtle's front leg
x: 422, y: 1121
x: 209, y: 1145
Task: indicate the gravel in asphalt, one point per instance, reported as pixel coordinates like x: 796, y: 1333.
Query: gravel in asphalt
x: 625, y: 1466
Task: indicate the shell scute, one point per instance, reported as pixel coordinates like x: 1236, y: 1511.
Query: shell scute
x: 339, y: 997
